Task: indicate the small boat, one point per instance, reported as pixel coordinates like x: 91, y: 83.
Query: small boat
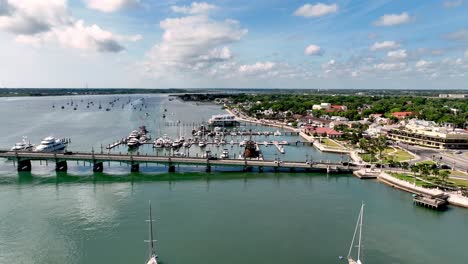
x: 358, y: 226
x: 201, y: 144
x: 152, y: 259
x: 265, y: 143
x: 242, y: 143
x: 22, y: 146
x: 176, y: 143
x: 159, y: 143
x: 277, y: 133
x: 225, y: 154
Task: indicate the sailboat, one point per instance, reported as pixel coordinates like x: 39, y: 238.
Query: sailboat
x: 152, y: 252
x: 358, y: 225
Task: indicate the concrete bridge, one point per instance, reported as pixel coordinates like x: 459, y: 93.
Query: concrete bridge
x: 24, y: 158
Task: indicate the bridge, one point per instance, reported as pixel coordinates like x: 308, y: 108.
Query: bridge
x: 24, y: 158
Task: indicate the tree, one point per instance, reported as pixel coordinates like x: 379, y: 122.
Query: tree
x: 415, y: 169
x: 444, y: 175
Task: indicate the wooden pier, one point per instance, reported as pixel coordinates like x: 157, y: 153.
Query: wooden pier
x: 436, y: 202
x: 24, y: 158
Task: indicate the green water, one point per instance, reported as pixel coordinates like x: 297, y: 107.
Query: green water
x: 220, y: 217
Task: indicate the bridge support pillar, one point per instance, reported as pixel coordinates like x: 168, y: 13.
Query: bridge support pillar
x: 208, y: 168
x: 24, y: 165
x: 276, y: 169
x: 98, y: 167
x: 171, y: 168
x: 135, y: 167
x: 61, y: 166
x: 260, y: 168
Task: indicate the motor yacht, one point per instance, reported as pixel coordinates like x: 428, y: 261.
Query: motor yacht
x: 50, y: 144
x: 22, y: 146
x: 133, y: 143
x: 159, y: 143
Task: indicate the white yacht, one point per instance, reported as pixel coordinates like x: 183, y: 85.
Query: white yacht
x: 225, y: 154
x: 159, y: 143
x: 176, y: 143
x: 201, y: 143
x: 50, y: 144
x: 277, y: 133
x: 133, y: 142
x: 22, y: 146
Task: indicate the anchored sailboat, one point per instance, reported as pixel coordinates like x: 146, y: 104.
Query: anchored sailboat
x: 152, y: 252
x: 358, y: 225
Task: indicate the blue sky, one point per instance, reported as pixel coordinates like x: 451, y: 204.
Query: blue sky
x: 234, y: 43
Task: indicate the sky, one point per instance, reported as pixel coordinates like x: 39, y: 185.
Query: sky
x: 355, y: 44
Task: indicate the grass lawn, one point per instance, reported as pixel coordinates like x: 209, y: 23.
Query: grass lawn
x: 458, y: 182
x: 402, y: 155
x: 396, y: 154
x: 430, y: 162
x: 410, y: 179
x: 330, y: 144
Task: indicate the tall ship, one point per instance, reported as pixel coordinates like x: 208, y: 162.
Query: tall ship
x: 223, y: 120
x: 50, y: 144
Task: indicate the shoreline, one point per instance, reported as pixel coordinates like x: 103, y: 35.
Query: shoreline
x: 454, y: 198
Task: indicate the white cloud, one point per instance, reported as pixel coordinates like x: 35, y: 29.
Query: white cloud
x: 390, y: 66
x: 193, y: 43
x: 37, y: 22
x: 461, y: 35
x: 397, y: 54
x: 195, y: 8
x: 33, y: 16
x: 393, y: 19
x: 111, y: 5
x: 316, y: 10
x: 454, y: 3
x: 422, y: 63
x: 313, y: 50
x: 384, y: 45
x: 259, y: 67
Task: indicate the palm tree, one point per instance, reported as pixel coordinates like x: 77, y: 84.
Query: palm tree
x: 444, y: 175
x: 415, y: 169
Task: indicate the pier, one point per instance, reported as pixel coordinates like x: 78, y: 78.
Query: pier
x: 436, y: 202
x: 24, y: 158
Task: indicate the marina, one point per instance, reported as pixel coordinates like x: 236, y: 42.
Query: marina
x: 94, y: 213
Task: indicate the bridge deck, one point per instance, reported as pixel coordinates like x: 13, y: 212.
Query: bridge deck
x: 94, y: 157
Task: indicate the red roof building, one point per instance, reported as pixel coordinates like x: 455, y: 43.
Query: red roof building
x: 323, y: 132
x: 402, y: 115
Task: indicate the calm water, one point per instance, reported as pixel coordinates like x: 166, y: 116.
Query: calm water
x: 221, y: 217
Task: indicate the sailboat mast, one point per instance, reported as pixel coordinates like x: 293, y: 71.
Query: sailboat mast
x: 151, y: 241
x: 360, y: 232
x: 354, y: 235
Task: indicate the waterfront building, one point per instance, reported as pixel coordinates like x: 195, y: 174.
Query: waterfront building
x: 223, y: 120
x: 322, y: 131
x: 428, y: 134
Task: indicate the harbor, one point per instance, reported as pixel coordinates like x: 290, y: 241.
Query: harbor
x: 92, y: 213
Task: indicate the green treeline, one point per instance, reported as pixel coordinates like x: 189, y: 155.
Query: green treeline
x: 440, y: 110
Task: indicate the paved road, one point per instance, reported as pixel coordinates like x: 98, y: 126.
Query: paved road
x: 457, y: 161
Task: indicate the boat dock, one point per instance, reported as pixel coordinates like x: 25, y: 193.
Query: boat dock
x: 24, y: 158
x: 436, y: 202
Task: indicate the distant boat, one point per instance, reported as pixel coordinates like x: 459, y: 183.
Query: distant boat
x: 152, y: 251
x: 358, y: 226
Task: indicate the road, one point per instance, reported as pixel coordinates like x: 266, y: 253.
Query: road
x: 448, y: 157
